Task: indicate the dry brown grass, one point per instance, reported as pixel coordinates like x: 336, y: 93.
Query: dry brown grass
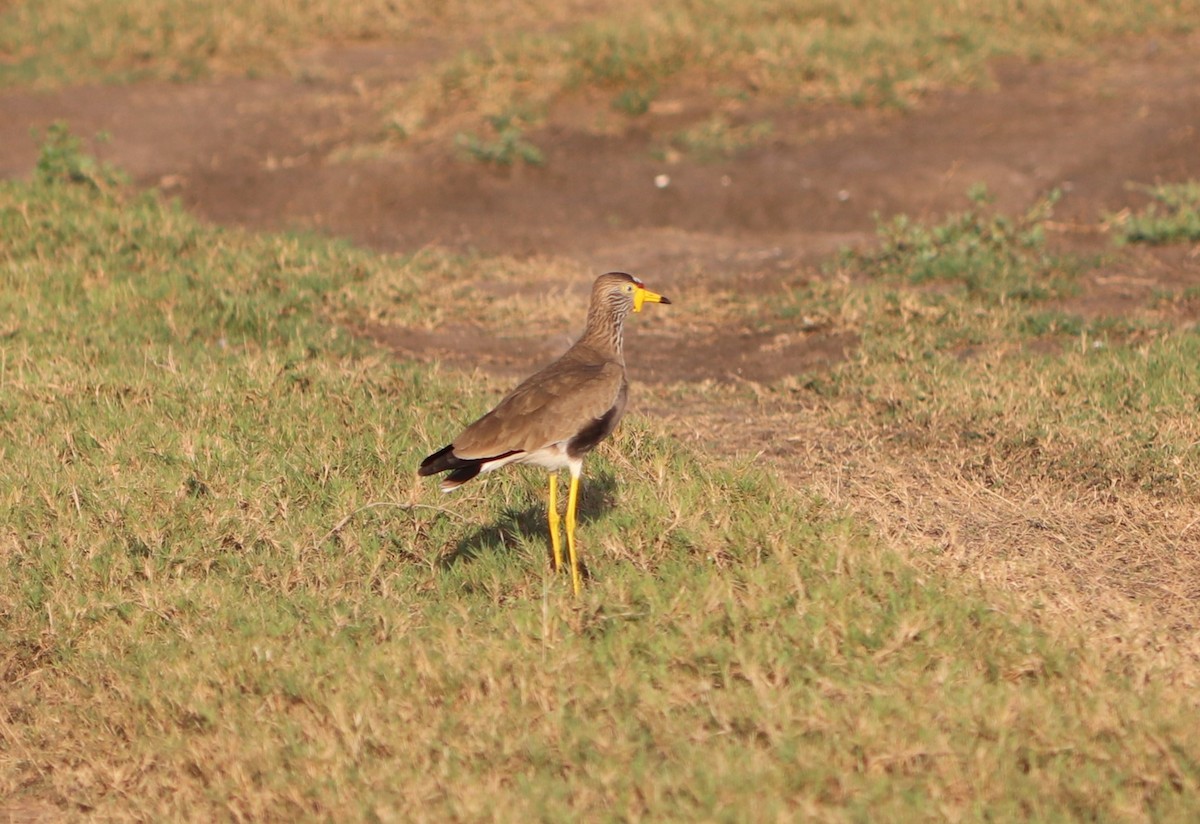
x: 1065, y: 530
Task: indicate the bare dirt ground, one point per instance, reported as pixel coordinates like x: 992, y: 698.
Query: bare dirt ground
x: 281, y: 153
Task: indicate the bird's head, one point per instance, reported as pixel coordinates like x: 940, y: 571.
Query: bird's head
x: 624, y: 293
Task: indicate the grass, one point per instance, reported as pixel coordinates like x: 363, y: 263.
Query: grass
x: 978, y: 277
x: 993, y: 256
x: 226, y: 595
x: 78, y: 41
x: 1173, y: 215
x: 527, y: 55
x: 717, y: 138
x: 1001, y: 426
x: 968, y: 323
x: 506, y: 147
x: 724, y: 55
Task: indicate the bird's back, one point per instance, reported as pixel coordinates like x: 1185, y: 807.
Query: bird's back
x: 551, y: 406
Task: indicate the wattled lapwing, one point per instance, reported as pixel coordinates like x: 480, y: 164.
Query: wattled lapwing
x: 558, y: 415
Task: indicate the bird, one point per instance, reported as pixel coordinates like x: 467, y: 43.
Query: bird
x: 556, y: 416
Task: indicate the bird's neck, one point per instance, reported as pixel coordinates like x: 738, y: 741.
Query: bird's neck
x: 605, y: 333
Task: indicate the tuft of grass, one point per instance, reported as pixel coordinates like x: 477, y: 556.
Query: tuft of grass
x: 977, y: 276
x: 62, y: 160
x: 507, y: 147
x: 718, y: 138
x: 992, y: 255
x: 1172, y: 216
x: 635, y: 101
x: 225, y: 594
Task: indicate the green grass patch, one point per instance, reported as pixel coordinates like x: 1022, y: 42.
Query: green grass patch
x: 976, y: 277
x: 81, y: 41
x: 969, y: 347
x: 1098, y: 415
x: 995, y: 257
x: 205, y: 612
x: 876, y: 54
x: 718, y: 138
x: 635, y: 101
x: 535, y: 53
x: 504, y: 146
x: 1172, y: 216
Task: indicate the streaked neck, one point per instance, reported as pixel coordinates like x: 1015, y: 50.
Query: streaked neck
x: 605, y: 332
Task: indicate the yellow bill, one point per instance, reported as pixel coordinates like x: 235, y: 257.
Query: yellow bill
x: 643, y: 295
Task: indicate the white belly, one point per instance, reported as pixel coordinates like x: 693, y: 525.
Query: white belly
x: 552, y: 457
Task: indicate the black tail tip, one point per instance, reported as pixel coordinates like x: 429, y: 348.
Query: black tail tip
x: 439, y: 461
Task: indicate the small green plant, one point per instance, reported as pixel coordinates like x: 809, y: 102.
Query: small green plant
x: 1173, y: 215
x: 992, y: 255
x: 635, y: 100
x: 717, y: 138
x: 506, y: 147
x: 62, y: 160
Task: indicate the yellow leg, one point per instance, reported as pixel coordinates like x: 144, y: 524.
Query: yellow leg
x: 572, y: 498
x: 555, y: 540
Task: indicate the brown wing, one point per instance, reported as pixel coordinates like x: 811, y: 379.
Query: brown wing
x: 548, y: 407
